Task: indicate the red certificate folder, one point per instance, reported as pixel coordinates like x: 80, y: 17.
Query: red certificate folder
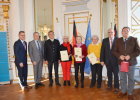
x: 124, y: 67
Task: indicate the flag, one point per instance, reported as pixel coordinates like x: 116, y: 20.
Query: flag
x: 74, y: 33
x: 58, y: 32
x: 88, y: 40
x: 115, y: 30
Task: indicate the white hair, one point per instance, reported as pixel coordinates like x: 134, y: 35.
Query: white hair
x: 110, y: 29
x: 95, y: 36
x: 65, y: 36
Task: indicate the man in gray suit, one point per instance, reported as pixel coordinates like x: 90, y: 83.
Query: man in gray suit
x: 36, y: 54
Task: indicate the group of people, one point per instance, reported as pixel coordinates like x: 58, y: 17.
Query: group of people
x: 111, y: 53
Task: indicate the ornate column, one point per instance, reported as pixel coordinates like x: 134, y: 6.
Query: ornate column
x: 124, y: 15
x: 14, y: 23
x: 29, y: 18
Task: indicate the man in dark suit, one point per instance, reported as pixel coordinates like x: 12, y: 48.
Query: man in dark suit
x: 110, y: 60
x: 126, y: 50
x: 20, y: 51
x: 52, y: 56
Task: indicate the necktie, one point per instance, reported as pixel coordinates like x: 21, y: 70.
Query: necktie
x: 125, y: 43
x: 111, y: 43
x: 38, y: 46
x: 24, y: 44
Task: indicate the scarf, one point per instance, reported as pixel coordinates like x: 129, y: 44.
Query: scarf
x: 68, y: 46
x: 79, y: 45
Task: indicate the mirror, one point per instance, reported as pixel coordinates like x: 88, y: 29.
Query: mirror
x: 43, y: 16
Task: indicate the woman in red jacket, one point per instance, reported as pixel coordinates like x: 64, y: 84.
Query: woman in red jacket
x: 79, y: 64
x: 66, y: 65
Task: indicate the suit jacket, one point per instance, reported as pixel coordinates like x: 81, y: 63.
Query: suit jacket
x: 51, y: 50
x: 34, y: 53
x: 106, y: 55
x: 132, y: 49
x: 20, y: 52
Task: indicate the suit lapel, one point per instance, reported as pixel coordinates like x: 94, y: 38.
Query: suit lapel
x: 34, y: 44
x: 37, y: 47
x: 23, y: 45
x: 113, y: 43
x: 108, y: 43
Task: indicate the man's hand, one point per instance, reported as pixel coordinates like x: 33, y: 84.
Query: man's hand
x: 127, y: 57
x: 21, y: 64
x: 102, y: 63
x: 46, y: 62
x: 59, y: 61
x: 34, y: 63
x: 122, y: 57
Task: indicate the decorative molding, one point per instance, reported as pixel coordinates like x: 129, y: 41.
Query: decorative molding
x: 81, y: 18
x: 5, y: 11
x: 75, y: 5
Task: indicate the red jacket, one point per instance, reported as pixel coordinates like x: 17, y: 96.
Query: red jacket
x: 84, y: 53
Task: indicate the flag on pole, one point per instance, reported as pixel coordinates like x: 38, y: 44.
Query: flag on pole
x: 115, y: 30
x: 74, y: 37
x: 88, y: 40
x: 74, y: 33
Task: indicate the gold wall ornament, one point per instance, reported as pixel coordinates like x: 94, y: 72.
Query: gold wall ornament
x: 5, y: 11
x: 104, y: 0
x: 1, y: 27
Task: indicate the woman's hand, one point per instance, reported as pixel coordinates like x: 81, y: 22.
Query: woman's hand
x: 81, y: 56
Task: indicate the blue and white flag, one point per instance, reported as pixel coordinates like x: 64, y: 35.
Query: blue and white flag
x: 88, y: 40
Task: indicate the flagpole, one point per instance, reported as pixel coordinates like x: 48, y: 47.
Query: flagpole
x: 73, y: 17
x: 57, y: 20
x: 90, y: 17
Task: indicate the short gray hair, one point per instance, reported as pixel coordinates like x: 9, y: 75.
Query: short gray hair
x: 110, y: 29
x: 36, y: 33
x: 96, y: 36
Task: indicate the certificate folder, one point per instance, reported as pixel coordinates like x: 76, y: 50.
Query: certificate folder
x: 78, y: 53
x: 92, y: 58
x: 64, y: 55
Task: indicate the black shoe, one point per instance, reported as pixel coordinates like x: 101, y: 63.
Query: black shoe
x: 82, y: 85
x: 76, y: 86
x: 41, y: 84
x: 109, y: 88
x: 116, y: 91
x: 36, y: 86
x: 64, y: 83
x: 58, y: 84
x: 98, y: 86
x: 69, y: 83
x: 92, y: 85
x: 51, y: 84
x: 29, y: 87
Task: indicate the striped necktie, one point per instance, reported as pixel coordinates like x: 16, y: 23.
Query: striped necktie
x: 24, y: 44
x: 38, y: 46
